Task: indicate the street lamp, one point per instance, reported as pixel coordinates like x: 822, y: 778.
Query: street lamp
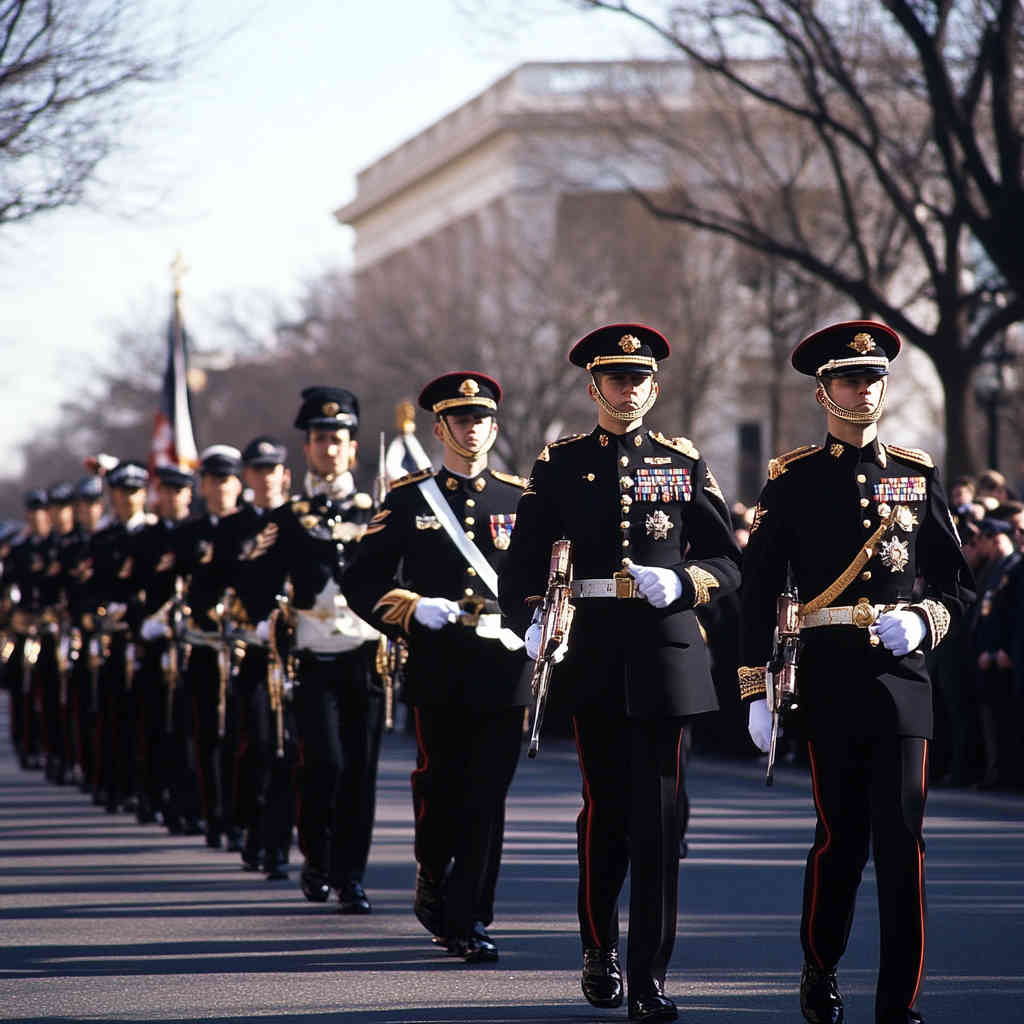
x: 990, y: 387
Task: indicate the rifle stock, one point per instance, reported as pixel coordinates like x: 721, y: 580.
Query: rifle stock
x: 780, y: 672
x: 556, y: 621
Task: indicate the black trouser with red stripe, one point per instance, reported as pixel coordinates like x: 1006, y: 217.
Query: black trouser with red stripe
x: 340, y: 714
x: 869, y: 790
x: 633, y: 797
x: 465, y: 761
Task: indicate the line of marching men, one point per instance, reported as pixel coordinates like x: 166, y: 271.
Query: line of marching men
x: 194, y: 660
x: 155, y: 652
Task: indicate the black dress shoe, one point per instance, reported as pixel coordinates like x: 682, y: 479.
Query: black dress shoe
x: 233, y: 838
x: 314, y: 885
x: 601, y: 980
x: 900, y: 1017
x: 213, y: 839
x: 191, y: 827
x: 652, y: 1006
x: 352, y: 899
x: 820, y: 1001
x: 428, y: 902
x: 277, y: 870
x: 473, y: 949
x: 252, y: 859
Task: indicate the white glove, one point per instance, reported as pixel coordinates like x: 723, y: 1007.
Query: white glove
x: 659, y: 586
x: 759, y: 724
x: 435, y: 612
x: 901, y: 632
x: 532, y: 639
x: 263, y: 630
x: 153, y: 628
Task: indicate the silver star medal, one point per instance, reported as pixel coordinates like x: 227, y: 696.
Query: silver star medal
x: 894, y: 554
x: 658, y: 524
x: 904, y: 518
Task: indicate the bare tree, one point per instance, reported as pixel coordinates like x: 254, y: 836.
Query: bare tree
x: 71, y: 72
x: 901, y: 121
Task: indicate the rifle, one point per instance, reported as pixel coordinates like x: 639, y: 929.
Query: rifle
x: 224, y: 643
x: 175, y: 658
x: 281, y: 663
x: 780, y: 672
x: 381, y: 483
x: 556, y: 621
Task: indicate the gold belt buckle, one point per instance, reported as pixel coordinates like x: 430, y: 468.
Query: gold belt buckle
x: 625, y: 585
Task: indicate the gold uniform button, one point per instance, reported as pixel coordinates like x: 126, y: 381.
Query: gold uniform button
x: 625, y: 543
x: 861, y: 478
x: 469, y: 535
x: 868, y: 552
x: 468, y: 591
x: 866, y: 574
x: 470, y: 571
x: 469, y: 520
x: 470, y: 502
x: 624, y: 524
x: 590, y: 477
x: 864, y: 502
x: 624, y: 460
x: 866, y: 524
x: 626, y: 562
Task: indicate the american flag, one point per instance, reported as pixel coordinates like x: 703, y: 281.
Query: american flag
x: 173, y: 441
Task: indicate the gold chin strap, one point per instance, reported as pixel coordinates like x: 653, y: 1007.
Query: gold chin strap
x: 624, y: 417
x: 848, y: 415
x: 465, y: 452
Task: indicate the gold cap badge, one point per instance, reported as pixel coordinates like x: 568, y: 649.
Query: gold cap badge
x: 265, y: 448
x: 331, y: 409
x: 628, y: 344
x: 469, y: 388
x: 862, y: 343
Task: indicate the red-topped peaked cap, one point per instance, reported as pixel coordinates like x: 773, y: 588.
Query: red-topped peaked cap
x: 461, y: 391
x: 620, y: 348
x: 849, y: 349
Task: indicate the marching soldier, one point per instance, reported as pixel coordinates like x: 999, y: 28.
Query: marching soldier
x: 267, y: 751
x: 166, y: 763
x: 56, y: 679
x: 652, y: 541
x: 339, y: 706
x: 76, y: 561
x: 426, y: 572
x: 855, y: 522
x: 116, y: 592
x: 208, y: 687
x: 27, y: 585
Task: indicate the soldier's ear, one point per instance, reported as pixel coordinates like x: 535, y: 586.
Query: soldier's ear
x: 352, y: 449
x: 592, y: 390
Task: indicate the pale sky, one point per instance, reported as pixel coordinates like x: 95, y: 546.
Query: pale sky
x: 251, y: 152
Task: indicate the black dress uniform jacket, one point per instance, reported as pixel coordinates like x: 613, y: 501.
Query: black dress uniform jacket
x: 818, y: 511
x: 651, y: 499
x: 406, y: 546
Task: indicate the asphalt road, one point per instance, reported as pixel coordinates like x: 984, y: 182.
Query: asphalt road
x: 104, y: 919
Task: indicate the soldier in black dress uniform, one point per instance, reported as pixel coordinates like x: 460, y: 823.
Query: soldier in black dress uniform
x: 466, y: 679
x: 266, y: 763
x: 115, y: 590
x: 26, y: 585
x: 76, y: 562
x: 56, y: 679
x: 339, y: 706
x: 194, y: 542
x: 166, y: 765
x: 652, y: 541
x: 864, y: 530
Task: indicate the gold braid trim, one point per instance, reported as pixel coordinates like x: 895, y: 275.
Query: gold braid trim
x: 777, y: 466
x: 396, y: 607
x: 827, y: 596
x: 936, y: 615
x: 703, y: 583
x: 917, y: 455
x: 752, y: 683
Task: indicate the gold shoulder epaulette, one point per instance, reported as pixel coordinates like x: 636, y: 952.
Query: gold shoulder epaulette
x: 412, y: 478
x: 362, y: 500
x: 911, y: 455
x: 778, y: 465
x: 509, y: 478
x: 683, y: 445
x: 545, y: 455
